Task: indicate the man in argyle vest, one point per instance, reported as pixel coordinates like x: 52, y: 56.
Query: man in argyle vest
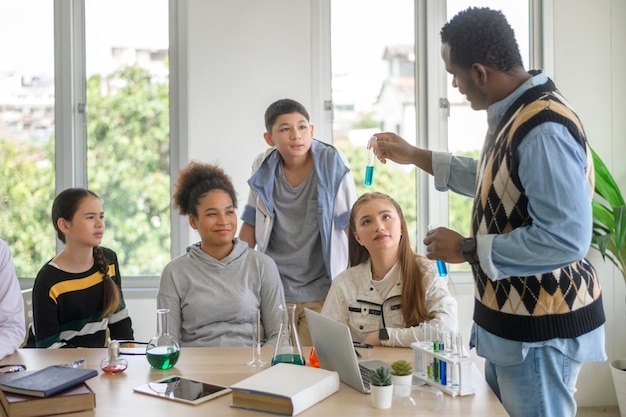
x: 538, y: 311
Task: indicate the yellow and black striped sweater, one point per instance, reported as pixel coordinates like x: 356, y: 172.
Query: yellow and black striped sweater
x: 564, y: 303
x: 67, y: 308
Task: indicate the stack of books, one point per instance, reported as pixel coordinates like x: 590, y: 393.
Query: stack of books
x: 52, y: 390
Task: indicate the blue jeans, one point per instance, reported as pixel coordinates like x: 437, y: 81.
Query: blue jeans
x: 542, y: 385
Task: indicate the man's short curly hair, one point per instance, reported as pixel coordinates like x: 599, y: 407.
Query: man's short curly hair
x: 481, y: 36
x: 197, y: 179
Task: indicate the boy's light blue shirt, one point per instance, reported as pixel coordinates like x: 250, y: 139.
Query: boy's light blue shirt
x: 561, y: 229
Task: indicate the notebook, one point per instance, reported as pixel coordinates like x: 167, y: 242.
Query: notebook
x: 335, y: 351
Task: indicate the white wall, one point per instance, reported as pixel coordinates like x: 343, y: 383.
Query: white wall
x: 142, y: 309
x: 243, y: 55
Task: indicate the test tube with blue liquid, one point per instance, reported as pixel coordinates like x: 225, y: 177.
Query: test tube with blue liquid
x: 442, y: 268
x: 369, y: 166
x: 441, y: 265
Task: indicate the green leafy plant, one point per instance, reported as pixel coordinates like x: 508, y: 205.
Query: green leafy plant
x: 609, y: 217
x: 381, y: 377
x: 401, y: 367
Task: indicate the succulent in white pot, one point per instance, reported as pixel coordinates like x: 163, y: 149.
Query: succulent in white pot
x: 401, y: 378
x: 381, y: 389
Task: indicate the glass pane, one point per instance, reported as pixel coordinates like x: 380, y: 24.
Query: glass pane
x: 373, y: 87
x: 128, y: 128
x: 27, y: 132
x: 467, y: 127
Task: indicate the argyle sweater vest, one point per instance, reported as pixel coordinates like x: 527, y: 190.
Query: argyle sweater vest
x: 564, y: 303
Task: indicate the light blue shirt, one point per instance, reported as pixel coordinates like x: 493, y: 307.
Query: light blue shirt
x: 561, y: 228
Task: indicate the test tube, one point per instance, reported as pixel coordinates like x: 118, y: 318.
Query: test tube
x: 369, y: 165
x: 441, y: 265
x: 453, y: 381
x: 256, y: 360
x: 458, y: 343
x: 425, y: 334
x: 443, y: 373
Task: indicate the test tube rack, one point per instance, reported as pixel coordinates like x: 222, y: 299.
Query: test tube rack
x: 462, y: 362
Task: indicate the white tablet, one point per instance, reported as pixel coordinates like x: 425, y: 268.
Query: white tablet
x: 182, y: 389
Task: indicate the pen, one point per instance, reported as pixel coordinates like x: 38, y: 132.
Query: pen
x: 7, y: 369
x: 77, y: 363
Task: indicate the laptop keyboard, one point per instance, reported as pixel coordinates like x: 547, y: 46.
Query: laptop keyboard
x: 366, y: 375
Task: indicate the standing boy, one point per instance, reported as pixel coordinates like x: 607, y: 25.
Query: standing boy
x: 298, y: 210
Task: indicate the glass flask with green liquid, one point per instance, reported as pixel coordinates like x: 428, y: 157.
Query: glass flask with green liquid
x: 163, y: 350
x: 288, y: 348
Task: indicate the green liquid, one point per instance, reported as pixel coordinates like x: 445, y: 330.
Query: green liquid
x: 288, y: 358
x: 162, y: 357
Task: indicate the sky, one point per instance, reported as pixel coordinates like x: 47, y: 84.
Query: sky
x: 109, y: 23
x: 360, y: 30
x: 33, y: 43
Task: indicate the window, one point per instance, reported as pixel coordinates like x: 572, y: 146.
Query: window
x: 110, y: 132
x: 128, y: 128
x: 27, y: 153
x: 374, y: 89
x: 467, y: 127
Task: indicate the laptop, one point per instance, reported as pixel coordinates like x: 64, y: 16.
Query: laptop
x: 335, y: 351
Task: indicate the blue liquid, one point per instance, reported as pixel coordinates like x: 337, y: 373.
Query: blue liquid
x: 441, y: 267
x: 369, y: 174
x: 442, y: 373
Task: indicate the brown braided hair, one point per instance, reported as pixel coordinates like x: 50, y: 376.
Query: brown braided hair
x: 64, y: 207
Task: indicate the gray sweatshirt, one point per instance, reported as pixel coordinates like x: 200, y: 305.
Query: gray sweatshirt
x: 214, y: 303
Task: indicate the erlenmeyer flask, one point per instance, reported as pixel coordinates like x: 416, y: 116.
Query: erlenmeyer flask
x: 162, y: 351
x: 288, y: 348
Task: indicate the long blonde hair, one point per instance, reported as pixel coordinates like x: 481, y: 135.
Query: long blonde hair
x: 412, y: 266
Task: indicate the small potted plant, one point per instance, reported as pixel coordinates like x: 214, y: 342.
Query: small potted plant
x: 402, y: 377
x: 381, y: 388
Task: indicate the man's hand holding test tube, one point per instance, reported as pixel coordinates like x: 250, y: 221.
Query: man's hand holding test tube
x: 441, y: 265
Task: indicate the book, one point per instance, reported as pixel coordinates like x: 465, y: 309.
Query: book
x: 48, y: 381
x: 284, y: 389
x: 78, y: 398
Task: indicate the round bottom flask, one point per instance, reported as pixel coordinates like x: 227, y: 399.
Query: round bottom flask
x: 113, y: 364
x: 163, y: 350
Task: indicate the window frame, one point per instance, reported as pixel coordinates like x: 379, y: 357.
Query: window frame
x: 70, y: 113
x: 432, y: 107
x: 70, y: 83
